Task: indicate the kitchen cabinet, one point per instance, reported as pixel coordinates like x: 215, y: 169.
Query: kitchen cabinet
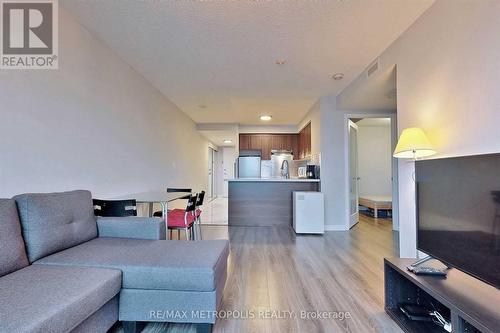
x: 266, y: 144
x: 294, y: 140
x: 304, y: 145
x: 298, y: 143
x: 244, y: 141
x: 255, y: 142
x: 278, y: 142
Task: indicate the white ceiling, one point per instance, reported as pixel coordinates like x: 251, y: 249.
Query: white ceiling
x: 218, y: 133
x: 221, y: 54
x: 218, y: 137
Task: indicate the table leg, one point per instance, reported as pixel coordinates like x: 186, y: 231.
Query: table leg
x: 164, y: 210
x: 150, y: 207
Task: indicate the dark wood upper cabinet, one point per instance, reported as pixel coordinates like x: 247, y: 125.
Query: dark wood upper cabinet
x: 266, y: 142
x: 294, y: 138
x: 299, y: 144
x: 278, y: 142
x: 307, y: 137
x: 304, y: 145
x: 244, y: 142
x: 255, y: 142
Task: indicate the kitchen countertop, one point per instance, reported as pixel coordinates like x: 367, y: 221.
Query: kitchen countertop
x: 283, y: 180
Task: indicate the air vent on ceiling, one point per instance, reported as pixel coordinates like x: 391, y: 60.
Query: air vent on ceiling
x: 372, y: 68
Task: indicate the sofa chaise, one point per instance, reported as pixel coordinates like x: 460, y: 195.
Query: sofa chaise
x: 64, y: 270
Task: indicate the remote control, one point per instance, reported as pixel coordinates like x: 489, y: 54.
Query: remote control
x: 427, y: 271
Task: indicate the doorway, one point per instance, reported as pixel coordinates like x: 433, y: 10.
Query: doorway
x: 371, y: 169
x: 353, y: 174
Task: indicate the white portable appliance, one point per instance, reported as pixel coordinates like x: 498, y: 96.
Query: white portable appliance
x: 302, y: 172
x: 308, y: 212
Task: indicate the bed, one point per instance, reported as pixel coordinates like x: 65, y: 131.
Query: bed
x: 376, y: 202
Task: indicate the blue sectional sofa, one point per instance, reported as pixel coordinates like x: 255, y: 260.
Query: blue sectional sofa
x: 64, y: 270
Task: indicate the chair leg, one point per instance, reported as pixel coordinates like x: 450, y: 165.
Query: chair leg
x: 187, y: 233
x: 204, y: 328
x: 170, y: 230
x: 199, y: 227
x: 132, y: 326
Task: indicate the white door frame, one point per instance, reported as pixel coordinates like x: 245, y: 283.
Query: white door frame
x: 394, y: 140
x: 353, y: 218
x: 212, y: 173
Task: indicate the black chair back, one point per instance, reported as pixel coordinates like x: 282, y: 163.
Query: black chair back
x: 191, y: 204
x: 176, y: 189
x: 201, y: 197
x: 115, y: 208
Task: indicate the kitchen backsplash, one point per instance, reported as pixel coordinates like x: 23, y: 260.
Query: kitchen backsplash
x: 265, y: 169
x: 266, y: 166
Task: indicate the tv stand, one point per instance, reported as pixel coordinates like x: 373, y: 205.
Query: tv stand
x: 422, y: 261
x: 470, y: 304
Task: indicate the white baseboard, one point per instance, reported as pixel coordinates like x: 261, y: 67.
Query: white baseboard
x: 330, y: 227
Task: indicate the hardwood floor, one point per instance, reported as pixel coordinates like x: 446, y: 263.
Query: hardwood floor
x: 272, y: 269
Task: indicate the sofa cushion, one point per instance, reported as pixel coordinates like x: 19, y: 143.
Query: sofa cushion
x: 52, y: 222
x: 12, y: 252
x: 152, y: 264
x: 53, y: 299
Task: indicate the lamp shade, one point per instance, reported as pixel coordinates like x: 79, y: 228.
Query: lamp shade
x: 413, y: 143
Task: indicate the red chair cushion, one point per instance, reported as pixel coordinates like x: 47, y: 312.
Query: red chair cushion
x: 198, y: 212
x: 175, y: 219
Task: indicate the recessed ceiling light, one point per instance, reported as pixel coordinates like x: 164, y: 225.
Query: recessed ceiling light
x: 266, y: 117
x: 338, y: 76
x: 202, y: 106
x: 280, y: 62
x: 228, y: 141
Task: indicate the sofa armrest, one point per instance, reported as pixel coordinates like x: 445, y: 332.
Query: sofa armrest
x: 131, y: 227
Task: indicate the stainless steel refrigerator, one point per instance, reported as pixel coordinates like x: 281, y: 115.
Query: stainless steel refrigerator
x: 248, y: 166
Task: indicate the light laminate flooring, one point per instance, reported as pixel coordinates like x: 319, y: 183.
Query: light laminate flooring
x: 273, y: 271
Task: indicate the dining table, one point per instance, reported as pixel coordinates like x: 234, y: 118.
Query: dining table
x: 151, y: 197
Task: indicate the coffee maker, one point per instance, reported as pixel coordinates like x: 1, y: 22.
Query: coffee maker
x: 312, y: 171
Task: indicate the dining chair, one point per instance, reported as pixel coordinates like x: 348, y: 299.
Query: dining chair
x: 199, y: 204
x: 174, y: 190
x: 183, y: 219
x: 115, y: 208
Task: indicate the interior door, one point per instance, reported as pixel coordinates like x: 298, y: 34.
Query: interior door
x: 353, y: 174
x: 211, y: 173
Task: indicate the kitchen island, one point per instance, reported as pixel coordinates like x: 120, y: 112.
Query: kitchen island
x: 265, y: 201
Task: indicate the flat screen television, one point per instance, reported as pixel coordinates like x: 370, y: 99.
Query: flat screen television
x: 458, y: 213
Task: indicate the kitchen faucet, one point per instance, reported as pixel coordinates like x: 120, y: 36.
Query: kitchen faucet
x: 284, y: 169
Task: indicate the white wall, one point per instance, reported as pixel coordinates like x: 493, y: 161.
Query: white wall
x: 374, y: 160
x: 448, y: 74
x: 332, y: 162
x: 94, y: 124
x: 333, y: 143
